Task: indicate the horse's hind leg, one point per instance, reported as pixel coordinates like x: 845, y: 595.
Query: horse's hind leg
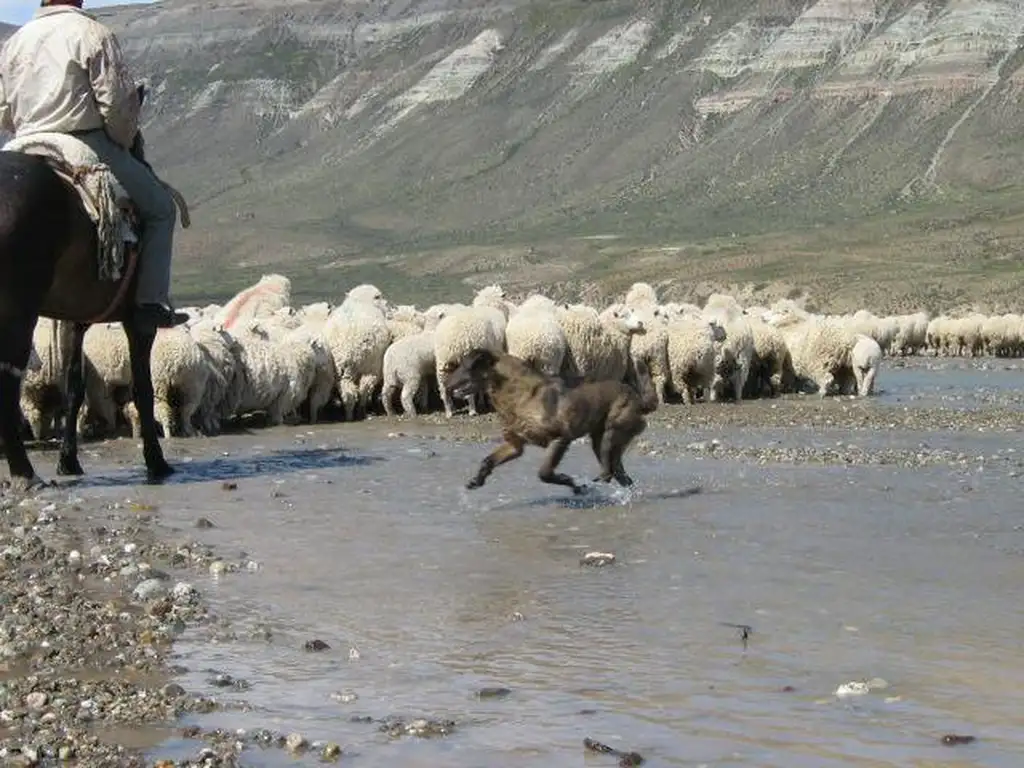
x: 15, y: 347
x: 140, y: 346
x: 74, y: 374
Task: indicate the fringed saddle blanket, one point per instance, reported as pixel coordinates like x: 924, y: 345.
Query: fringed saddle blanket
x: 103, y: 197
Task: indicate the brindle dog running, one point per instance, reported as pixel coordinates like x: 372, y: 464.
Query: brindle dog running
x: 542, y: 410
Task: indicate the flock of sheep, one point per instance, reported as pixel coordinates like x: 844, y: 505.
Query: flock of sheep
x: 258, y: 354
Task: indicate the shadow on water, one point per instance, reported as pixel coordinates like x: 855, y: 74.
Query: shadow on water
x: 234, y: 468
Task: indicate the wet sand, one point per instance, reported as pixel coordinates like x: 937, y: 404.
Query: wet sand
x: 859, y: 540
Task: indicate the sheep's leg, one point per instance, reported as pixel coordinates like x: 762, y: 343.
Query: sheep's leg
x: 446, y: 397
x: 739, y: 380
x: 511, y: 449
x: 164, y: 416
x: 187, y: 414
x: 99, y: 400
x: 660, y: 387
x: 276, y: 410
x: 317, y: 400
x: 547, y: 473
x: 867, y: 384
x: 349, y: 397
x: 387, y: 394
x: 131, y: 415
x: 367, y: 388
x: 410, y: 390
x: 34, y: 416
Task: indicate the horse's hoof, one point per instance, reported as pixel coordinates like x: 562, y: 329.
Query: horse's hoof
x: 579, y: 490
x: 159, y: 472
x: 473, y: 484
x: 66, y: 466
x: 20, y: 485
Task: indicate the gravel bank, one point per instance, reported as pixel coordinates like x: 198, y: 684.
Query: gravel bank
x: 92, y: 599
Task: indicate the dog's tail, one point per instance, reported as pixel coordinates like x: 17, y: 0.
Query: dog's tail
x: 638, y: 376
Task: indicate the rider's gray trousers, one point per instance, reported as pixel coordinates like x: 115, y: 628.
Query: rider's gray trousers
x: 156, y: 207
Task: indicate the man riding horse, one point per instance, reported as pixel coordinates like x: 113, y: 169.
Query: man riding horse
x: 64, y: 72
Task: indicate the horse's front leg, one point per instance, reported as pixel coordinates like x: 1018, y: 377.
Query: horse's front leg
x: 15, y: 349
x: 74, y: 396
x: 140, y: 346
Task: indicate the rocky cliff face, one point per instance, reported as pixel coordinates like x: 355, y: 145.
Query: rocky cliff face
x: 336, y: 130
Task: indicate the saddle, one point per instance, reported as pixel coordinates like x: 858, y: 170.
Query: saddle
x: 106, y: 202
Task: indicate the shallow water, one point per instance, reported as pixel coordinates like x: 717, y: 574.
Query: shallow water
x: 372, y: 544
x: 369, y: 542
x: 955, y: 383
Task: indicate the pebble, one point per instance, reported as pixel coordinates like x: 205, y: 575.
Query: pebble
x: 597, y: 559
x: 494, y: 692
x: 296, y: 742
x: 148, y: 589
x: 952, y: 739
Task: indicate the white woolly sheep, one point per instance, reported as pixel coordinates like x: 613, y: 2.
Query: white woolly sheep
x: 534, y: 335
x: 180, y: 373
x: 820, y: 347
x: 404, y: 321
x: 223, y: 356
x: 735, y: 354
x: 357, y: 335
x: 270, y: 294
x: 481, y: 326
x: 108, y: 378
x: 43, y: 388
x: 692, y: 346
x: 408, y: 365
x: 771, y: 371
x: 865, y: 360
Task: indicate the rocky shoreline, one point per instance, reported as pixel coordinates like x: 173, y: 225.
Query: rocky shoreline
x: 94, y: 596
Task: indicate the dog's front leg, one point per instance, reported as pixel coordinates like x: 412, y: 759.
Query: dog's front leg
x: 512, y: 448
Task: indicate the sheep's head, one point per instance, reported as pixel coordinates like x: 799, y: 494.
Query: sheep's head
x: 367, y: 294
x: 405, y: 313
x: 493, y: 296
x: 628, y: 320
x: 717, y: 332
x: 641, y: 294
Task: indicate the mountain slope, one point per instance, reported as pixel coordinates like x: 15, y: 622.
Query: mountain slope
x: 868, y: 149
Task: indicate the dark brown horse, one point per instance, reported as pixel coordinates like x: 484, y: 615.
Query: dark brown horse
x: 49, y: 267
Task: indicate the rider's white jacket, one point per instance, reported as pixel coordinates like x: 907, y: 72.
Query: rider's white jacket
x: 64, y: 71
